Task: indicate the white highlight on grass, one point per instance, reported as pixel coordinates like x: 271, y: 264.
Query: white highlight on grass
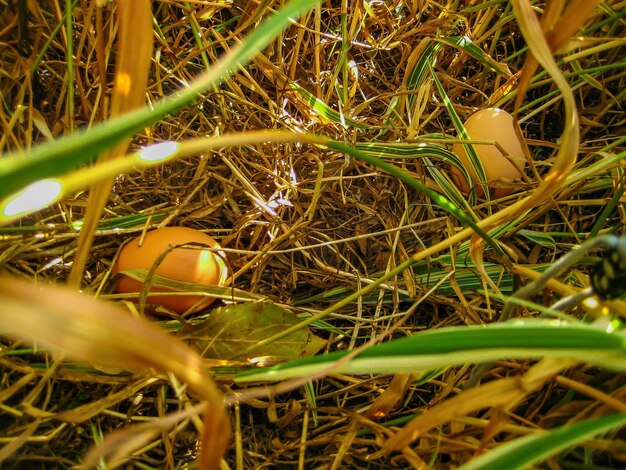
x: 158, y: 152
x: 35, y: 196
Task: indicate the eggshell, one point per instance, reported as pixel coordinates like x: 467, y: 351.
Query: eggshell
x: 496, y: 125
x: 192, y: 264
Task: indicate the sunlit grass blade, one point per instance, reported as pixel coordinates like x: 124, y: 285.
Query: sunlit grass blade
x: 504, y: 394
x: 322, y: 109
x: 125, y: 222
x: 93, y: 331
x: 465, y: 44
x: 475, y: 161
x: 564, y: 27
x: 539, y: 238
x: 304, y: 98
x: 148, y: 156
x: 466, y: 277
x: 403, y: 151
x: 588, y: 74
x: 79, y: 326
x: 526, y: 451
x: 185, y: 288
x: 394, y: 151
x: 448, y: 188
x: 437, y: 198
x: 459, y: 345
x: 568, y: 148
x: 421, y: 63
x: 390, y: 398
x: 116, y: 448
x: 118, y: 224
x: 131, y: 79
x: 365, y: 255
x: 76, y: 150
x: 601, y: 166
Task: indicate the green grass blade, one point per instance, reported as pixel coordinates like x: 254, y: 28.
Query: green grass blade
x: 465, y: 44
x: 52, y: 36
x: 322, y: 109
x: 123, y: 222
x: 437, y: 198
x: 448, y: 188
x: 466, y: 277
x: 71, y: 152
x: 475, y: 161
x: 422, y: 68
x: 611, y: 206
x: 424, y: 150
x: 309, y: 391
x: 182, y: 288
x: 69, y: 46
x: 540, y: 238
x: 526, y: 451
x: 452, y: 346
x: 425, y: 63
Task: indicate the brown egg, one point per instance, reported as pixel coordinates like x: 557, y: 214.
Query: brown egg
x: 192, y: 264
x: 495, y: 125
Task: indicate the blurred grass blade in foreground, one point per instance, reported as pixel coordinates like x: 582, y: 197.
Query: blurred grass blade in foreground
x: 134, y: 54
x: 86, y: 329
x: 75, y: 150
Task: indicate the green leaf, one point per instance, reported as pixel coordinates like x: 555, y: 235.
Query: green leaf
x: 461, y: 345
x: 449, y: 189
x: 526, y: 451
x: 228, y: 331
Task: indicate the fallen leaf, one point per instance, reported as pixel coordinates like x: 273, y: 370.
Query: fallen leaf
x: 230, y: 330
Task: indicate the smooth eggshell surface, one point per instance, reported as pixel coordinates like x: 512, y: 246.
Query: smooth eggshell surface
x: 495, y: 125
x: 192, y: 264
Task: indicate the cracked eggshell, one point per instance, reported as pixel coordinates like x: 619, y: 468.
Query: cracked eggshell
x: 190, y: 264
x: 496, y: 125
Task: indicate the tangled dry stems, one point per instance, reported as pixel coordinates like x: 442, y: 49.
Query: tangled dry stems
x: 296, y: 221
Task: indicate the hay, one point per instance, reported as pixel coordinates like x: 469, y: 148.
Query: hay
x: 302, y: 226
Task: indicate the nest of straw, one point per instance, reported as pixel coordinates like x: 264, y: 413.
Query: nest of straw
x: 297, y: 221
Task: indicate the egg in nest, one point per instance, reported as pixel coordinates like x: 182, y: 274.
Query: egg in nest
x: 193, y: 264
x: 491, y: 124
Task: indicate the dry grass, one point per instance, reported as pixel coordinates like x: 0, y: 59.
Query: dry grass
x: 298, y: 221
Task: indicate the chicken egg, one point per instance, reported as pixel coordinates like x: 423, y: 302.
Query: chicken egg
x: 188, y: 264
x: 492, y: 124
